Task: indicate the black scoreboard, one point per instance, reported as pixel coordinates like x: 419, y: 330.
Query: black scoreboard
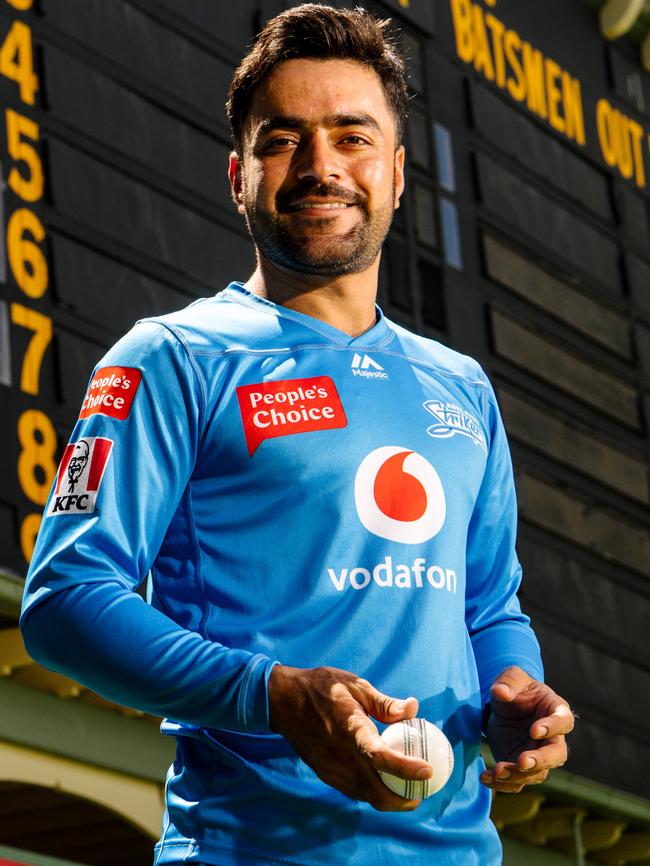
x: 523, y: 239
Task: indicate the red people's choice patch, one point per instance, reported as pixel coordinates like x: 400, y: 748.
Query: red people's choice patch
x: 271, y: 409
x: 111, y: 392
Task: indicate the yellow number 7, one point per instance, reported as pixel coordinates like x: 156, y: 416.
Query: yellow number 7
x: 42, y: 327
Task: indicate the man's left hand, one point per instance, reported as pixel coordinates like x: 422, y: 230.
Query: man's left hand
x: 525, y: 730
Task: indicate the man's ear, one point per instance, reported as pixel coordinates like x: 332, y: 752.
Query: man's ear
x: 234, y: 176
x: 399, y: 174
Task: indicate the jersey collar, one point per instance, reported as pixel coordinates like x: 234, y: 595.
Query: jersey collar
x: 379, y: 335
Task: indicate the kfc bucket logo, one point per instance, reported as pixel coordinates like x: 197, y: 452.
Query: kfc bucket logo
x: 399, y: 495
x: 80, y: 476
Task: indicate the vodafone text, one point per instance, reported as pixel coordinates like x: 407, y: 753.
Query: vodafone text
x: 419, y: 574
x: 298, y: 398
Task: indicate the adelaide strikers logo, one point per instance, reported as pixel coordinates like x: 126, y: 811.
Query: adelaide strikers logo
x: 399, y: 495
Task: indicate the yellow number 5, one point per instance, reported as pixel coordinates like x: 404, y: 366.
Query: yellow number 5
x: 29, y: 188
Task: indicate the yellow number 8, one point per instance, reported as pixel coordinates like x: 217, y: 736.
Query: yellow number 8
x: 37, y: 437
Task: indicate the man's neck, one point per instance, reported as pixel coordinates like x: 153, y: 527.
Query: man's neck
x: 345, y: 302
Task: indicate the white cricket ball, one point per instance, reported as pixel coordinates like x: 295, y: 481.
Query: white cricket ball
x: 421, y: 739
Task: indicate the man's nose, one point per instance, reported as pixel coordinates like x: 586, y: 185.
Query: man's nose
x: 317, y: 159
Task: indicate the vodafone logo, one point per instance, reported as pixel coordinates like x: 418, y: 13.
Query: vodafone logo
x: 399, y: 495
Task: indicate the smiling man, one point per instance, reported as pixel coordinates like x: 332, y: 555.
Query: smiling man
x: 321, y: 555
x: 322, y: 179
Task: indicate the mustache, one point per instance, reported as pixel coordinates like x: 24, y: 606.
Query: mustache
x: 284, y: 200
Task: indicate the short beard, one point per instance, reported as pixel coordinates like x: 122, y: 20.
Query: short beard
x: 333, y: 255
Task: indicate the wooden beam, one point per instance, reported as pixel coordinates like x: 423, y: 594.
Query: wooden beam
x: 13, y: 654
x: 19, y: 855
x: 47, y: 681
x: 596, y: 835
x: 508, y: 809
x: 11, y: 593
x: 139, y: 801
x: 594, y: 795
x: 84, y: 733
x: 553, y: 822
x: 630, y: 847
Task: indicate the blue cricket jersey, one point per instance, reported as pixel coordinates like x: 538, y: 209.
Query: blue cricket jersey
x: 301, y: 496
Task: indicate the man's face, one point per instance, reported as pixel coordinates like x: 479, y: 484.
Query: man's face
x: 319, y: 177
x: 78, y: 460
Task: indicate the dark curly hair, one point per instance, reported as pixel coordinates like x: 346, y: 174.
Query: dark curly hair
x: 323, y: 32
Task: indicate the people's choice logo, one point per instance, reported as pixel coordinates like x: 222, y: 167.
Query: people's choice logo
x: 399, y: 495
x: 111, y: 392
x: 286, y: 406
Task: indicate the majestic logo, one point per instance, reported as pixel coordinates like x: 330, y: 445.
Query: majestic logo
x: 111, y: 392
x: 80, y: 476
x: 365, y: 367
x: 452, y: 419
x: 399, y: 495
x: 271, y: 409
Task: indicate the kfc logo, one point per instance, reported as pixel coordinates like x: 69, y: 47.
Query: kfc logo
x: 80, y: 476
x: 399, y: 495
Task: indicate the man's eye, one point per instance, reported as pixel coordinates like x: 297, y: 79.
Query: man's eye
x: 354, y: 139
x: 279, y: 143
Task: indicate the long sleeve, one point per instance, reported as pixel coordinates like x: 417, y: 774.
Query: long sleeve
x: 501, y: 634
x: 123, y: 474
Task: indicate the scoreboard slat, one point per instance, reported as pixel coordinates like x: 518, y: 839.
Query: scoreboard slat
x: 136, y: 216
x: 540, y: 153
x: 113, y: 116
x: 549, y: 224
x: 148, y: 51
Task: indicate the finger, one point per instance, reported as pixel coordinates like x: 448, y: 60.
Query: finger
x: 357, y: 779
x: 373, y: 791
x: 510, y: 682
x: 505, y: 771
x: 547, y: 757
x: 388, y: 760
x: 383, y: 799
x: 561, y: 721
x: 505, y: 787
x: 383, y: 707
x: 402, y: 806
x: 510, y: 779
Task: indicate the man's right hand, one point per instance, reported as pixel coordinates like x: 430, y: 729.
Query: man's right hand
x: 325, y: 714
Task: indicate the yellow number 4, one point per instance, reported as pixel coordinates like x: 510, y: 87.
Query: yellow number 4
x: 16, y: 60
x: 42, y: 327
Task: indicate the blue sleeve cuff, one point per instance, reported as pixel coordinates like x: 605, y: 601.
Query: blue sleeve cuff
x: 501, y: 645
x: 253, y: 702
